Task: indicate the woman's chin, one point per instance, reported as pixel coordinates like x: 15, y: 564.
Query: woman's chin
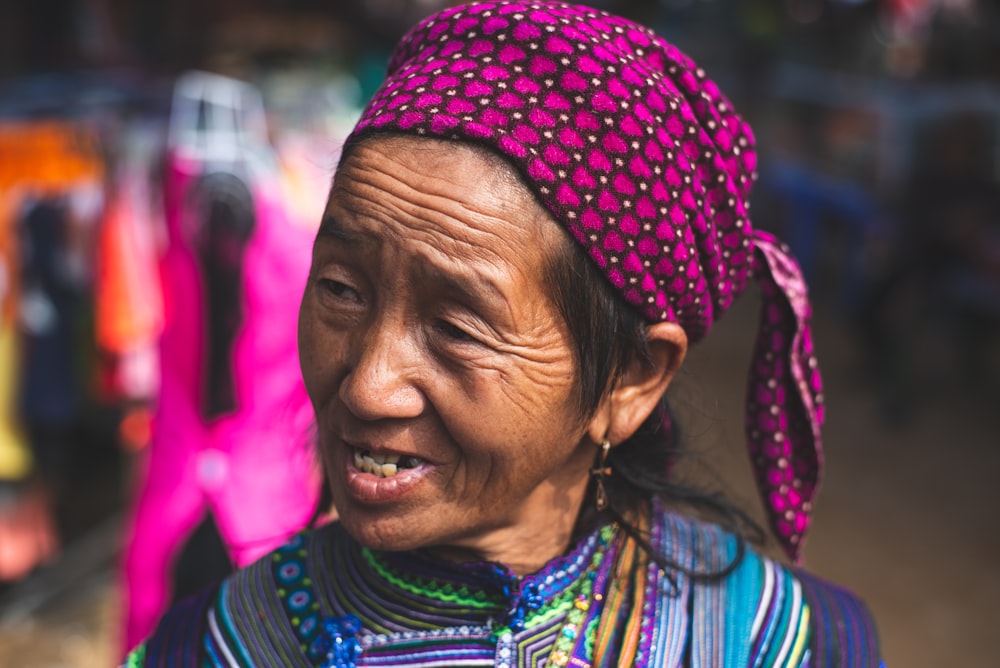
x: 384, y: 530
x: 385, y: 512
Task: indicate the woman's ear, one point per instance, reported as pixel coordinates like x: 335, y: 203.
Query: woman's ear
x: 640, y: 389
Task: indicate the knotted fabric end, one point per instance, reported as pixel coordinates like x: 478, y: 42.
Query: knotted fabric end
x: 784, y: 408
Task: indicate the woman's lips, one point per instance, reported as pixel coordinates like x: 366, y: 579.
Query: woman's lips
x: 383, y: 465
x: 376, y: 478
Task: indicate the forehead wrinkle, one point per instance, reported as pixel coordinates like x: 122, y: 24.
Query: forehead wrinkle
x: 437, y: 190
x: 497, y: 178
x: 441, y: 228
x: 483, y: 263
x: 427, y: 206
x: 457, y: 262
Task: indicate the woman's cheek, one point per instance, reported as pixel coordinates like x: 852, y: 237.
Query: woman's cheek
x: 317, y: 354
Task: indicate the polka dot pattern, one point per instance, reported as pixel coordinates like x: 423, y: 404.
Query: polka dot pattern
x: 636, y: 152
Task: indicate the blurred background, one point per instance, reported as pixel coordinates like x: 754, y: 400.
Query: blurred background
x: 144, y: 143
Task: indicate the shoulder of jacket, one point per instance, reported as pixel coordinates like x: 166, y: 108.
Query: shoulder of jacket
x: 843, y: 628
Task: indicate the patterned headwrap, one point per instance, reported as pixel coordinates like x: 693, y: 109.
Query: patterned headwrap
x: 644, y: 161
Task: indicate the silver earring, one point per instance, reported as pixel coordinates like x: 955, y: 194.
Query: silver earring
x: 602, y: 469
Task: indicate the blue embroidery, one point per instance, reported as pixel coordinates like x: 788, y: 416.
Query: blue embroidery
x: 338, y: 642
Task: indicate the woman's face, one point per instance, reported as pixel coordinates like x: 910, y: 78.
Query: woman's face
x: 441, y: 373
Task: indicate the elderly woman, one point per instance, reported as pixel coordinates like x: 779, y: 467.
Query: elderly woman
x: 538, y: 212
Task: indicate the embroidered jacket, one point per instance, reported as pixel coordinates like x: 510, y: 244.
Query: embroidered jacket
x: 323, y: 600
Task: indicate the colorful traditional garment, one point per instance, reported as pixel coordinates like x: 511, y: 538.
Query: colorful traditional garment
x: 323, y: 600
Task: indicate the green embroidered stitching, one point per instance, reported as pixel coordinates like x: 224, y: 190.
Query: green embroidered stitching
x: 136, y: 658
x: 431, y: 589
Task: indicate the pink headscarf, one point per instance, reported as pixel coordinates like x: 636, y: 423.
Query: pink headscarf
x: 644, y: 161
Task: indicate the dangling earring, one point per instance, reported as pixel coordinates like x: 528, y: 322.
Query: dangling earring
x: 602, y: 469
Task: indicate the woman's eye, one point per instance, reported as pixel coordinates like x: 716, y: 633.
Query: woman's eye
x: 338, y: 289
x: 455, y: 333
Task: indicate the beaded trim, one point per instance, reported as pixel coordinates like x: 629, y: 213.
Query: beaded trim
x: 298, y: 597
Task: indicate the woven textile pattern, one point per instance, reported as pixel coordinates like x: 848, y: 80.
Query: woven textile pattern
x: 418, y: 611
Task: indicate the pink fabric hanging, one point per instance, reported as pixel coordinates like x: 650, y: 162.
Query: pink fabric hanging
x: 252, y: 467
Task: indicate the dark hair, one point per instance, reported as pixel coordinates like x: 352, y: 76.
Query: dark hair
x: 608, y: 335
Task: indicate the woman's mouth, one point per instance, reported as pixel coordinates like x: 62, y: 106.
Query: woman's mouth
x: 383, y: 465
x: 380, y: 478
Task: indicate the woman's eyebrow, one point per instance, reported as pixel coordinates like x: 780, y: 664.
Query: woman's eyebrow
x: 332, y: 228
x: 478, y: 291
x: 472, y: 285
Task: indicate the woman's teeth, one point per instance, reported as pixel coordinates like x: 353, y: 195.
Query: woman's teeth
x: 382, y: 466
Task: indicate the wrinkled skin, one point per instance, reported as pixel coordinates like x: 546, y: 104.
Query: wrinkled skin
x: 426, y: 331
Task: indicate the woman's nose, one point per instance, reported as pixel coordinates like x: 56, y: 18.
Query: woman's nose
x: 382, y: 382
